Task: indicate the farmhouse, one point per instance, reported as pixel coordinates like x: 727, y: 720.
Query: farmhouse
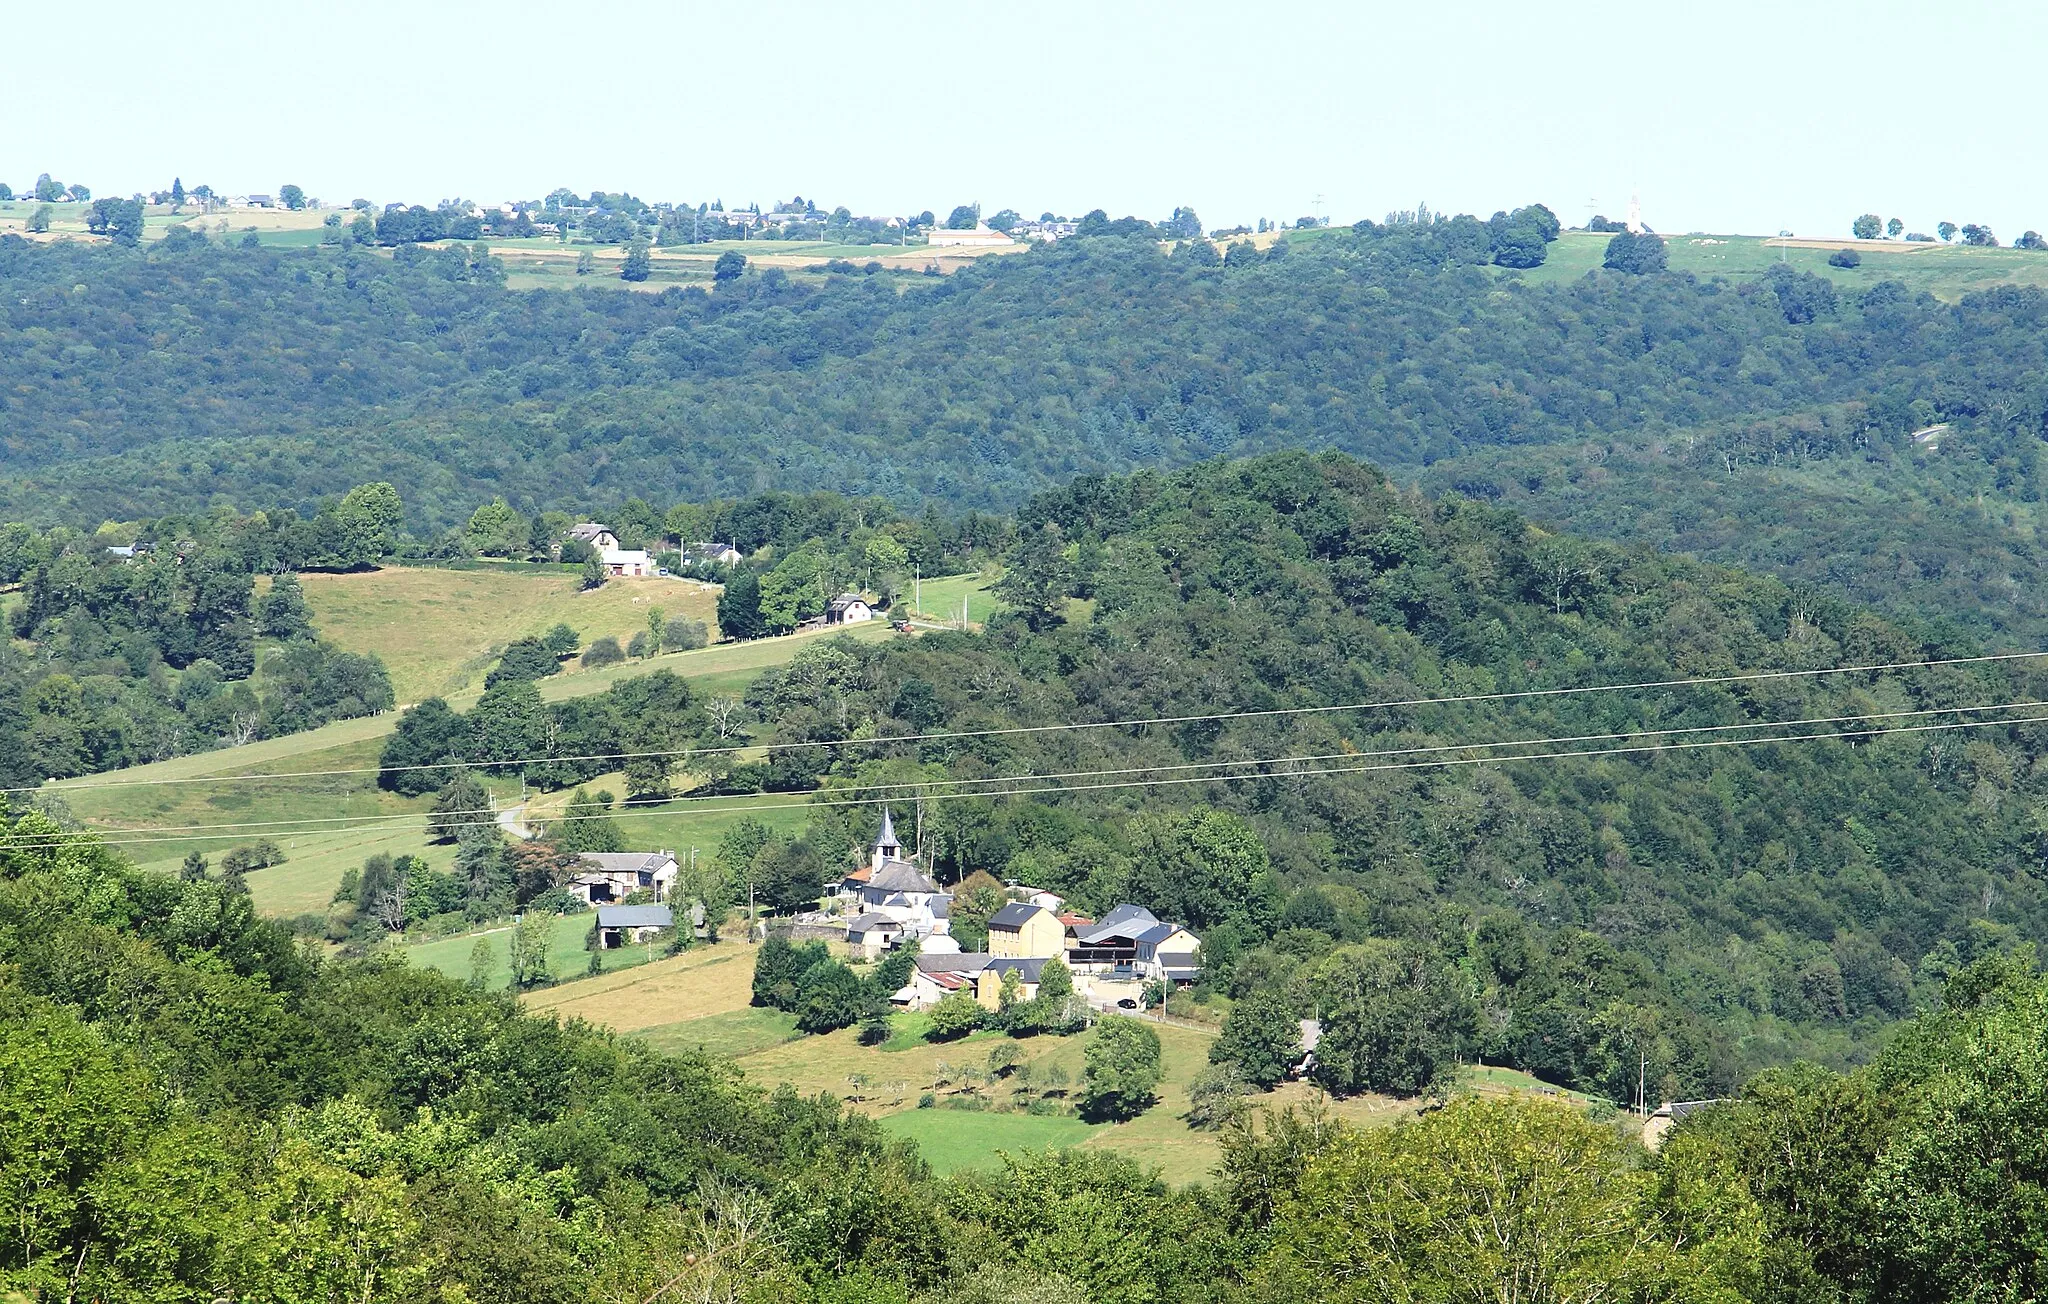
x: 1021, y: 929
x: 627, y: 562
x: 848, y: 609
x: 716, y: 554
x: 597, y: 536
x: 873, y: 932
x: 607, y: 876
x: 619, y: 926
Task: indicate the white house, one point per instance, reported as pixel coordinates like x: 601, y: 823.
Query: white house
x: 607, y: 876
x: 1168, y: 951
x: 630, y: 562
x: 718, y: 554
x: 597, y: 536
x: 848, y: 609
x: 897, y: 889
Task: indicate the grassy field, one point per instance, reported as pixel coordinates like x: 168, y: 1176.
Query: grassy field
x: 939, y: 598
x: 953, y: 1139
x: 700, y: 1000
x: 567, y: 954
x: 439, y: 631
x: 329, y: 823
x: 1946, y: 271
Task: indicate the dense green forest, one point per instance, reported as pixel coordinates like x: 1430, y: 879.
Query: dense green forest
x: 1714, y: 908
x: 153, y: 379
x: 142, y: 651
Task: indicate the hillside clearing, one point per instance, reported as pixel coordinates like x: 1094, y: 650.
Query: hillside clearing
x: 439, y: 631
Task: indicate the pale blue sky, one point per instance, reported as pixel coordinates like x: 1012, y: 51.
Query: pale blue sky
x: 1736, y: 116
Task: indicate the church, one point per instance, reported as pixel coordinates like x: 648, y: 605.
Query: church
x: 896, y: 898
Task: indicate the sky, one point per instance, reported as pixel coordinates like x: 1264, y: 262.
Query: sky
x: 1736, y: 117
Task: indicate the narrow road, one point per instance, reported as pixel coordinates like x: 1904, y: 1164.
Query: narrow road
x: 508, y: 820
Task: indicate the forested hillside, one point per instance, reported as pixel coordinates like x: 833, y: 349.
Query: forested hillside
x: 1714, y: 907
x: 149, y: 380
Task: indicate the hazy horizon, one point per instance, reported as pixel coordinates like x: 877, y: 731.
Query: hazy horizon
x: 1754, y: 121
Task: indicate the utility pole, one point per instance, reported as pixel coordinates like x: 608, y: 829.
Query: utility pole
x: 1643, y: 1083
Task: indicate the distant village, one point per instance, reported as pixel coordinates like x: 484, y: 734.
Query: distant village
x: 892, y: 902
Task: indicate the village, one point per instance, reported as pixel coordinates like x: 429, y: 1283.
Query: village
x: 891, y: 903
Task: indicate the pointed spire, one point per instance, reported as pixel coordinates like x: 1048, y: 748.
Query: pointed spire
x: 886, y: 845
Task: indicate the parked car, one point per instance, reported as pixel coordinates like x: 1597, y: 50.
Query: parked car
x: 900, y: 626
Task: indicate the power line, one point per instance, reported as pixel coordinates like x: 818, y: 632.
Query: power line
x: 1014, y: 730
x: 1442, y: 763
x: 307, y: 824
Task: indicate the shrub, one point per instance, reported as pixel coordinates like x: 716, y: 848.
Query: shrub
x: 603, y: 652
x: 955, y: 1016
x: 927, y: 1100
x: 1845, y: 258
x: 685, y: 635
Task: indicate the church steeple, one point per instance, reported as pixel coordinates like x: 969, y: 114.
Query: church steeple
x: 887, y: 848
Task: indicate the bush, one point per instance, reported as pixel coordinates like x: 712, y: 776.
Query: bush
x: 927, y: 1100
x: 641, y: 647
x: 260, y: 854
x: 954, y: 1017
x: 685, y: 635
x: 603, y: 652
x: 1845, y: 258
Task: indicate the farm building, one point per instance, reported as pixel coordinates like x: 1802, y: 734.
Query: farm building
x: 609, y: 876
x: 980, y: 237
x: 632, y: 563
x: 619, y: 926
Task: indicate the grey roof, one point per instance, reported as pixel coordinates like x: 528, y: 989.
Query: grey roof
x: 942, y: 906
x: 1014, y: 915
x: 901, y: 876
x: 1157, y: 933
x: 588, y: 530
x: 872, y: 922
x: 964, y: 962
x: 1126, y: 913
x: 845, y: 600
x: 887, y: 837
x: 626, y: 862
x: 1027, y: 969
x: 635, y: 917
x: 1125, y: 922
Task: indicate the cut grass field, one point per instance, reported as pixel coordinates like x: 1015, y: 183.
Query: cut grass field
x: 939, y: 598
x: 699, y: 1000
x: 439, y: 631
x: 954, y: 1139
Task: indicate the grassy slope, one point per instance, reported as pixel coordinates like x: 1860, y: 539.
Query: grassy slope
x: 1946, y: 271
x: 700, y: 1000
x: 439, y: 631
x: 152, y: 822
